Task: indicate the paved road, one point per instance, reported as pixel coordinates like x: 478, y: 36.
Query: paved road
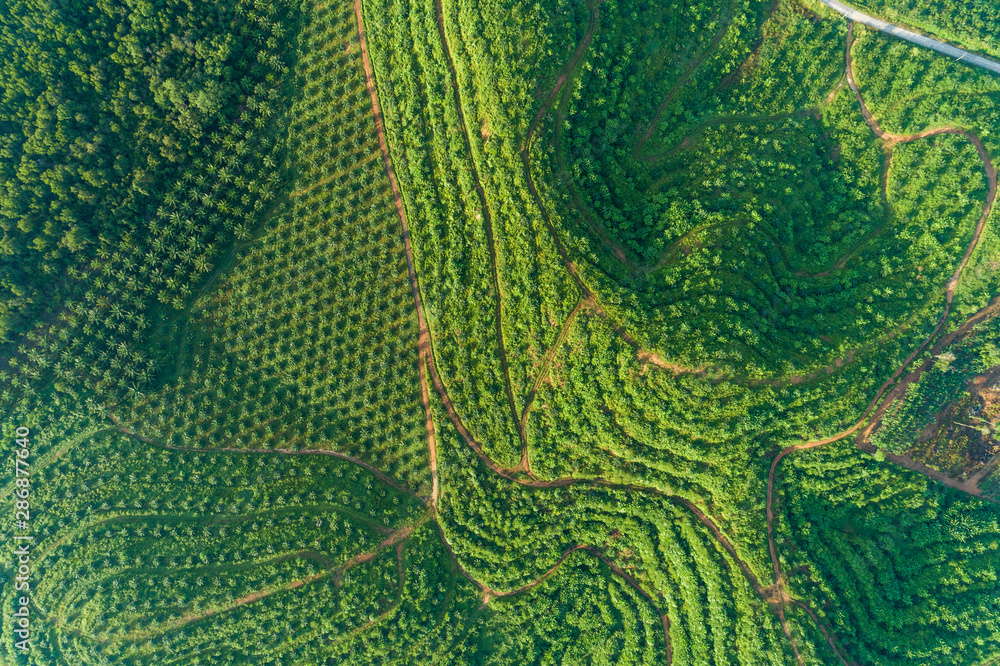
x: 959, y: 54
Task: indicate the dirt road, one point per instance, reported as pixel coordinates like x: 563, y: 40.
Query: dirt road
x: 424, y: 344
x: 885, y: 396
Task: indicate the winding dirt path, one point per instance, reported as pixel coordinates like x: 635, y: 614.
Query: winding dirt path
x: 449, y: 407
x: 487, y: 218
x: 875, y: 233
x: 971, y: 485
x: 288, y: 452
x: 727, y: 22
x: 235, y: 603
x: 398, y: 537
x: 878, y: 405
x: 649, y: 357
x: 424, y: 339
x: 489, y: 593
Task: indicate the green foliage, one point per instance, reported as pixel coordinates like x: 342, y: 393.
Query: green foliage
x: 910, y: 91
x: 655, y: 244
x: 991, y: 485
x: 113, y: 125
x: 113, y: 333
x: 941, y: 419
x: 973, y: 24
x: 164, y: 550
x: 310, y: 340
x: 903, y: 570
x: 507, y: 536
x: 591, y: 617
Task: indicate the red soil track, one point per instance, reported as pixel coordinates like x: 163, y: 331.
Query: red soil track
x: 878, y: 405
x: 488, y: 220
x: 775, y: 594
x: 425, y: 337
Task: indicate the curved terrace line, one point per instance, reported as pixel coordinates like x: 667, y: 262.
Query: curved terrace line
x: 876, y: 409
x: 775, y: 594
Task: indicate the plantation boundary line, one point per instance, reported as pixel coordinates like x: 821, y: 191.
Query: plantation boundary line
x: 596, y: 228
x: 599, y: 482
x: 392, y: 608
x: 984, y: 472
x: 426, y: 354
x: 140, y: 518
x: 878, y: 405
x: 892, y: 139
x: 509, y: 474
x: 773, y: 594
x: 487, y: 219
x: 400, y: 535
x: 55, y: 453
x: 506, y: 472
x: 586, y: 292
x: 396, y: 539
x: 489, y: 593
x: 424, y: 345
x: 593, y: 222
x: 316, y: 632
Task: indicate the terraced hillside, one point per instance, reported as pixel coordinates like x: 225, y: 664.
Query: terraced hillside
x: 500, y: 333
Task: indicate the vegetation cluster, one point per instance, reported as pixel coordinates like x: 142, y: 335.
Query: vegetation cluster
x: 425, y: 331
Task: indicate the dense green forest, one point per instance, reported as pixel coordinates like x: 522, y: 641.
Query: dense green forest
x: 499, y: 332
x: 126, y: 130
